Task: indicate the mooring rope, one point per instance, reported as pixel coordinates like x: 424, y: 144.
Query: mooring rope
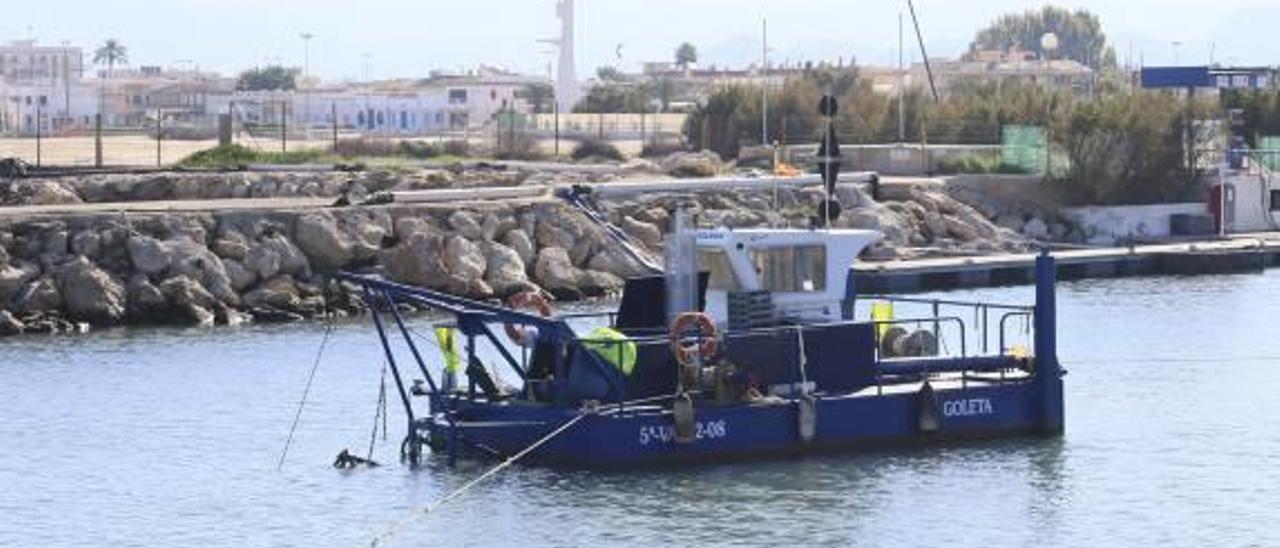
x: 391, y: 531
x: 380, y: 412
x: 306, y: 392
x: 586, y: 412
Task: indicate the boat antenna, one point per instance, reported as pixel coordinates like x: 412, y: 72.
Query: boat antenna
x: 928, y: 69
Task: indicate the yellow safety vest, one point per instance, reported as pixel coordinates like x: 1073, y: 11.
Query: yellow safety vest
x: 613, y: 347
x: 449, y: 347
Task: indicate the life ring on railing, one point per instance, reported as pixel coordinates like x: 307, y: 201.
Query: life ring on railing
x: 706, y: 345
x: 528, y: 300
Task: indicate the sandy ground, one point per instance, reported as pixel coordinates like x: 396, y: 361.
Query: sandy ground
x: 139, y: 150
x: 124, y: 150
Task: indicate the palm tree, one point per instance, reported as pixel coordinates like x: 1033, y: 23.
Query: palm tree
x: 111, y: 53
x: 686, y: 55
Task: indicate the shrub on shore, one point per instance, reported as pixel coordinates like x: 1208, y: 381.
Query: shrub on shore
x: 233, y: 155
x: 597, y: 149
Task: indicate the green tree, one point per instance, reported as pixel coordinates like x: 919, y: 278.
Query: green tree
x: 610, y: 74
x: 1260, y: 112
x: 686, y: 55
x: 269, y: 78
x: 541, y: 97
x: 1080, y: 36
x: 111, y: 53
x: 614, y: 98
x: 1129, y: 148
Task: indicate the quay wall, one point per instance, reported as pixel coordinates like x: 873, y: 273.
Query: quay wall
x: 1107, y: 225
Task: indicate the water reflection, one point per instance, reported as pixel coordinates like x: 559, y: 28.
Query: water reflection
x: 170, y: 437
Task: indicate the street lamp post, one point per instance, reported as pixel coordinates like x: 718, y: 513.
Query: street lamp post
x: 1048, y: 43
x: 306, y: 69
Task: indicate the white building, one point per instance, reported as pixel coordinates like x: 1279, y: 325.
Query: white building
x: 42, y: 84
x: 442, y: 103
x: 25, y: 61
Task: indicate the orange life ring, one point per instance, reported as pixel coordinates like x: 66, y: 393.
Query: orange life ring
x: 529, y: 300
x: 706, y: 345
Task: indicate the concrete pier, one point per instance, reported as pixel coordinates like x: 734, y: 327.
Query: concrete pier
x: 1253, y: 253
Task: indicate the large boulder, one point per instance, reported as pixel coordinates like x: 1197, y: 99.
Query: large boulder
x: 280, y: 292
x: 41, y: 295
x: 417, y: 260
x: 614, y: 260
x: 231, y: 245
x: 1036, y: 229
x: 89, y: 293
x: 9, y: 325
x: 464, y: 259
x: 496, y: 226
x: 239, y: 275
x: 645, y: 233
x: 692, y: 164
x: 506, y: 272
x: 87, y: 243
x: 192, y: 304
x: 323, y: 242
x: 594, y: 283
x: 14, y: 278
x: 555, y: 272
x: 518, y: 240
x: 149, y: 255
x: 193, y: 260
x: 50, y: 192
x: 465, y: 224
x: 369, y: 237
x: 146, y: 301
x: 274, y: 254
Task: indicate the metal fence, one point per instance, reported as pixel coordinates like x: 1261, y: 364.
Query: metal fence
x: 141, y: 130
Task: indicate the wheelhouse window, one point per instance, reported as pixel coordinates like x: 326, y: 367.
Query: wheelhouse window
x: 1275, y: 200
x: 716, y: 262
x: 799, y: 269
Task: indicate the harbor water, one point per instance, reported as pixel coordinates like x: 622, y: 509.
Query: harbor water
x: 161, y: 438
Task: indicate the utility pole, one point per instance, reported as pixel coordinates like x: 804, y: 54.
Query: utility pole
x: 306, y: 69
x: 284, y: 127
x: 902, y: 84
x: 333, y: 115
x: 159, y: 136
x: 764, y: 81
x: 66, y: 81
x: 39, y: 113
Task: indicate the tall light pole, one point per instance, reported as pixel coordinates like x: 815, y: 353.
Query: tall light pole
x: 1048, y: 43
x: 365, y: 56
x: 66, y: 81
x: 306, y: 69
x: 1177, y: 53
x: 902, y: 85
x: 764, y: 81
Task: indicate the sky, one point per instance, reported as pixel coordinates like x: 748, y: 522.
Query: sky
x: 393, y: 38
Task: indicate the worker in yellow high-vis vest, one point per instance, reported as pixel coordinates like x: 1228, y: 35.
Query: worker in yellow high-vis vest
x: 447, y: 337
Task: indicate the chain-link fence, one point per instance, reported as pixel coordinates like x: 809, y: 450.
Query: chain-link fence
x: 154, y: 129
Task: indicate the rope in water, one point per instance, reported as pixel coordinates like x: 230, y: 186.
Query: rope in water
x: 380, y: 412
x: 586, y: 412
x: 306, y: 392
x: 391, y: 531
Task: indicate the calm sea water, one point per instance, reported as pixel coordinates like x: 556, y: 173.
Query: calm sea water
x: 160, y: 438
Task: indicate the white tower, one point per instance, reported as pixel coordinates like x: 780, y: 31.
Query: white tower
x: 567, y: 94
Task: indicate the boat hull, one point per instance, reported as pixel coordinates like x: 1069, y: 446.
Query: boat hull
x: 646, y: 436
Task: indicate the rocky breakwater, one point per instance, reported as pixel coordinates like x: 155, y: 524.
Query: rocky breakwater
x: 183, y: 185
x: 924, y: 221
x: 71, y: 272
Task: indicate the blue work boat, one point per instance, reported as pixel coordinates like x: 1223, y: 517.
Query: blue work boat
x: 773, y: 353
